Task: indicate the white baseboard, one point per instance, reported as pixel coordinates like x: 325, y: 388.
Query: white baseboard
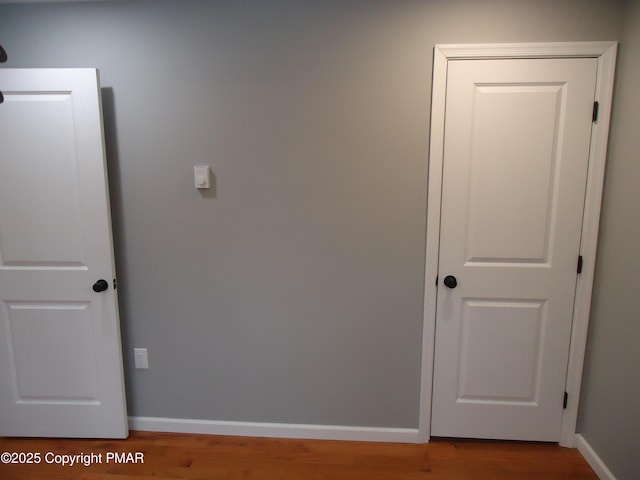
x: 276, y: 430
x: 593, y: 459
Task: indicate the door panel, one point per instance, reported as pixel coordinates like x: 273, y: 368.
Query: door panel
x: 483, y: 375
x: 517, y: 136
x: 509, y: 221
x: 42, y: 190
x: 60, y: 354
x: 61, y: 328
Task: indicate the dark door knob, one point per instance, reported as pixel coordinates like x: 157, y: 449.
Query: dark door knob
x: 450, y: 281
x: 100, y: 286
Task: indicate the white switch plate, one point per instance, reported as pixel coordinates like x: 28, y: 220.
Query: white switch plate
x: 202, y: 176
x: 140, y: 358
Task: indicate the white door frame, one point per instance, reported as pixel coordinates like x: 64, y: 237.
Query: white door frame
x: 605, y: 52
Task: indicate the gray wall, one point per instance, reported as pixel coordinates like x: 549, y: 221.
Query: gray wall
x: 610, y: 403
x: 294, y: 294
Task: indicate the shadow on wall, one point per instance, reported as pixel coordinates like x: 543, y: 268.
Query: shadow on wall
x: 117, y: 222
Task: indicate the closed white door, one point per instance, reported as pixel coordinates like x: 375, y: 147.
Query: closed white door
x: 60, y: 353
x: 516, y: 151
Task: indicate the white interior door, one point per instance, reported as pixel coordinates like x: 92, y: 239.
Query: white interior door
x: 60, y: 353
x: 516, y: 151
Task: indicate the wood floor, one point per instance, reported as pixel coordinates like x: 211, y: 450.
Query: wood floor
x: 178, y: 456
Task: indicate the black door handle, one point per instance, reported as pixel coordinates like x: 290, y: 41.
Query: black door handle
x: 450, y: 281
x: 100, y: 286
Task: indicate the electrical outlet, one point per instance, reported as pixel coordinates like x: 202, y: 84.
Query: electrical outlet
x: 140, y: 358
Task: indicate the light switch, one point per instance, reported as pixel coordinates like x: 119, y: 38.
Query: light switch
x: 140, y: 358
x: 202, y: 176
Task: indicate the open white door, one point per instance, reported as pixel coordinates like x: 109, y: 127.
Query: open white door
x: 60, y: 349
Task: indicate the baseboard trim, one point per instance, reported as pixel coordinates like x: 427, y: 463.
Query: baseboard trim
x: 593, y: 459
x: 276, y: 430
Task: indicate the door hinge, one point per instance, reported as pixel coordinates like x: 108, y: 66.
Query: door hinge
x: 115, y: 284
x: 564, y: 401
x: 436, y: 280
x: 579, y: 263
x: 594, y: 116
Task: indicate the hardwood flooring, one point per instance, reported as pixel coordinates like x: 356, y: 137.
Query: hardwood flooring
x: 179, y: 456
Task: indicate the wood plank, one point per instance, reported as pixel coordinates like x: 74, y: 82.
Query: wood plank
x: 194, y: 457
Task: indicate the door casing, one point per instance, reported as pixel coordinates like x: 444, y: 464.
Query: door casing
x: 605, y: 53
